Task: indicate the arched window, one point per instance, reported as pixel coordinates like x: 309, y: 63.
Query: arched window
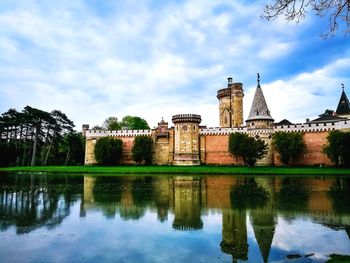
x: 225, y: 120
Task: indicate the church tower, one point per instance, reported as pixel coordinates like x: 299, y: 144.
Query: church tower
x: 231, y: 105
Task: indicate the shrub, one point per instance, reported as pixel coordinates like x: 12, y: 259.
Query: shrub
x: 289, y: 145
x: 142, y: 149
x: 108, y: 151
x: 247, y: 147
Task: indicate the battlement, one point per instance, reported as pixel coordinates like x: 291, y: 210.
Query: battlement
x: 221, y: 131
x: 314, y: 127
x: 226, y: 92
x: 181, y: 118
x: 90, y: 134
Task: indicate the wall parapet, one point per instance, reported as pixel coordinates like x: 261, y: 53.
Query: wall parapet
x: 90, y: 134
x: 221, y: 131
x: 314, y: 127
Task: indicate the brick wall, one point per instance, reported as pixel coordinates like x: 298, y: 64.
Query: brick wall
x: 216, y: 150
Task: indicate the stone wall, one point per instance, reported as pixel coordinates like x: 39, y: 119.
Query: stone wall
x: 314, y: 142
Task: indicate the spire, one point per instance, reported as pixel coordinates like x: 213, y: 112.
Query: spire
x: 259, y: 109
x: 343, y: 105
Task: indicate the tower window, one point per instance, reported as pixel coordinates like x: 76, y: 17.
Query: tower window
x: 225, y: 120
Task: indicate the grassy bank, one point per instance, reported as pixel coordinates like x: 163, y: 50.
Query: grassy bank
x: 183, y: 170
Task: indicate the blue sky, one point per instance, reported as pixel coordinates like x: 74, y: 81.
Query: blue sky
x: 94, y: 59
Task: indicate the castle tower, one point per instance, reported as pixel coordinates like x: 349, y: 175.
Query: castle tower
x: 343, y: 109
x: 259, y: 116
x: 237, y: 104
x: 231, y: 105
x: 260, y: 123
x: 186, y: 139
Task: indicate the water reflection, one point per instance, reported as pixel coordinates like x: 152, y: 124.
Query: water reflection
x: 30, y: 202
x: 262, y: 219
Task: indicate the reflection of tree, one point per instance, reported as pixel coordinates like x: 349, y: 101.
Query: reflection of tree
x: 107, y: 192
x: 293, y: 195
x: 142, y: 191
x: 339, y: 194
x: 30, y: 202
x: 248, y: 195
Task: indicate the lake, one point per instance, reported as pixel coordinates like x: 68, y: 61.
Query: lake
x: 84, y: 218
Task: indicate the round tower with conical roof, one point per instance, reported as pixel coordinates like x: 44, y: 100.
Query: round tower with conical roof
x: 260, y: 123
x: 259, y: 116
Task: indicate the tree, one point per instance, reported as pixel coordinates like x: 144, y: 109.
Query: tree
x: 247, y: 147
x: 142, y: 149
x: 108, y: 151
x: 111, y: 123
x: 336, y: 11
x: 337, y: 148
x: 34, y: 136
x: 134, y: 123
x: 289, y: 145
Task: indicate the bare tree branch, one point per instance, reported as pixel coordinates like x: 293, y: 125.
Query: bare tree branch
x: 337, y: 12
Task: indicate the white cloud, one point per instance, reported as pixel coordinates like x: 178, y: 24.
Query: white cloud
x: 149, y: 61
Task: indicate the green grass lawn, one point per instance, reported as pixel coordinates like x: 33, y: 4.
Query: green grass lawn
x: 182, y: 170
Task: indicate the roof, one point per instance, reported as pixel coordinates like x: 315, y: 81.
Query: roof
x: 283, y: 122
x: 343, y: 105
x: 327, y: 118
x: 259, y: 109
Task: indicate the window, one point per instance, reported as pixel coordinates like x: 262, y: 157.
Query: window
x: 225, y: 120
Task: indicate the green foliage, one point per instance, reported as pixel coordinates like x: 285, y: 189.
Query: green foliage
x: 111, y: 124
x: 289, y: 145
x: 34, y: 136
x: 108, y: 151
x: 293, y: 195
x: 142, y: 149
x: 8, y: 154
x: 338, y: 148
x: 134, y: 123
x: 248, y: 148
x: 128, y: 123
x: 248, y: 195
x: 339, y: 195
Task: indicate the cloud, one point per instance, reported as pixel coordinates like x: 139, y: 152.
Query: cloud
x: 97, y: 59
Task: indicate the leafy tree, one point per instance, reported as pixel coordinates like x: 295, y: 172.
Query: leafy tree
x: 111, y: 123
x: 108, y: 151
x: 337, y: 148
x: 337, y: 12
x: 134, y: 123
x: 142, y: 149
x: 247, y: 147
x: 289, y: 145
x: 34, y: 136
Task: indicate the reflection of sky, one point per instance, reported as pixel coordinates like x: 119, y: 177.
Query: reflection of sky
x: 302, y: 236
x: 95, y: 238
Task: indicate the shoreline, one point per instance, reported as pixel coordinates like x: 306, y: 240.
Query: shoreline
x: 184, y: 170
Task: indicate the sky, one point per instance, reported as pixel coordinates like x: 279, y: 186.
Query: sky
x: 93, y: 59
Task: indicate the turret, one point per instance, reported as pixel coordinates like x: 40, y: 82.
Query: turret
x: 186, y: 139
x: 259, y: 116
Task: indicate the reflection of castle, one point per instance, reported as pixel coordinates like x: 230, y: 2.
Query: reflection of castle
x: 188, y: 198
x: 33, y: 202
x: 188, y: 143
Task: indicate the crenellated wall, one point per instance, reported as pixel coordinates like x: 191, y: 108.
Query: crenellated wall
x: 212, y: 143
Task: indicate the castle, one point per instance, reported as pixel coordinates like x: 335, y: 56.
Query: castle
x: 188, y: 143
